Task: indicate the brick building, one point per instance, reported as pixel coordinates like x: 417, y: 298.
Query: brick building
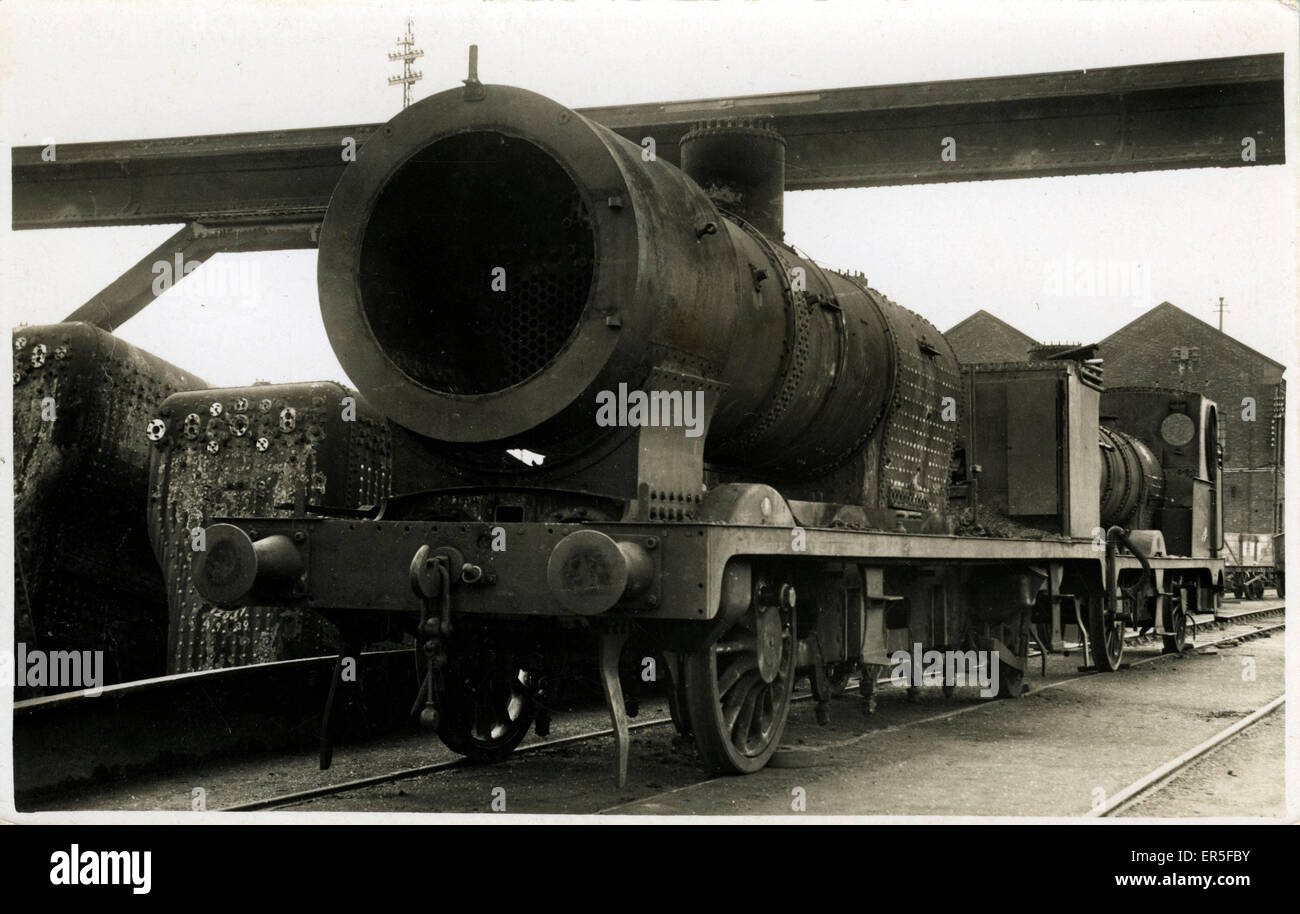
x: 985, y: 338
x: 1167, y: 347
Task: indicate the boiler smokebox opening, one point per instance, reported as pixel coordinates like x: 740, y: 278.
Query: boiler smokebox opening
x: 477, y: 263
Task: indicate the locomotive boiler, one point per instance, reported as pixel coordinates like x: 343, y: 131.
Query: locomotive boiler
x: 643, y: 413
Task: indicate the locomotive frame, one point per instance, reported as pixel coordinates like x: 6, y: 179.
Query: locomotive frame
x: 726, y: 569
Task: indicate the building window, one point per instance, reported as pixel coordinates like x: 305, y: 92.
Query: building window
x: 1185, y: 357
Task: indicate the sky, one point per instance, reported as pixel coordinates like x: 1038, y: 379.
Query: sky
x: 75, y: 72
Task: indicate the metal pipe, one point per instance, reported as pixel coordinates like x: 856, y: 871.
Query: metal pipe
x: 1112, y: 572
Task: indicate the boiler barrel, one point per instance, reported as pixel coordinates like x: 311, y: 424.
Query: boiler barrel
x: 1132, y: 480
x: 493, y: 262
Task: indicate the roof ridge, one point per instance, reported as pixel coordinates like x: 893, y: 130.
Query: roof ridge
x: 968, y: 318
x: 1170, y: 305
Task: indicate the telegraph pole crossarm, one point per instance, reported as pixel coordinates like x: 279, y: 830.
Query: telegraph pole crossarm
x: 407, y: 53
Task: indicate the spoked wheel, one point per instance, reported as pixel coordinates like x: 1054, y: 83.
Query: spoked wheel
x: 1107, y: 636
x: 738, y: 690
x: 1175, y: 642
x: 485, y: 713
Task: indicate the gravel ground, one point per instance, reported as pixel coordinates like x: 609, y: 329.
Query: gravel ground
x: 1053, y: 752
x: 1243, y: 777
x: 1045, y: 754
x: 232, y: 782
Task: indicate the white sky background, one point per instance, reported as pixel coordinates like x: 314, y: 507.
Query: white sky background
x: 75, y: 72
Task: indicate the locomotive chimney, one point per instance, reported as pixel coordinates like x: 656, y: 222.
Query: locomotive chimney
x: 740, y: 164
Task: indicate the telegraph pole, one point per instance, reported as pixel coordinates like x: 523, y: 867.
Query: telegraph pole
x: 407, y: 53
x: 1220, y: 307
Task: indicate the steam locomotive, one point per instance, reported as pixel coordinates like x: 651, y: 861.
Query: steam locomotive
x: 640, y: 414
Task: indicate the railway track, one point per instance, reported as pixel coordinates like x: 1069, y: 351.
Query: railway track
x: 132, y: 728
x: 300, y: 796
x: 790, y: 757
x: 59, y: 740
x: 1201, y: 623
x: 1233, y: 637
x: 1142, y: 788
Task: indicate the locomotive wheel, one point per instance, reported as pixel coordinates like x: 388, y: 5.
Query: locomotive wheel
x: 837, y: 674
x: 483, y: 717
x: 738, y: 691
x: 1010, y: 680
x: 867, y: 688
x: 677, y: 695
x: 1010, y: 683
x: 1255, y: 590
x: 1107, y: 636
x: 1174, y: 643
